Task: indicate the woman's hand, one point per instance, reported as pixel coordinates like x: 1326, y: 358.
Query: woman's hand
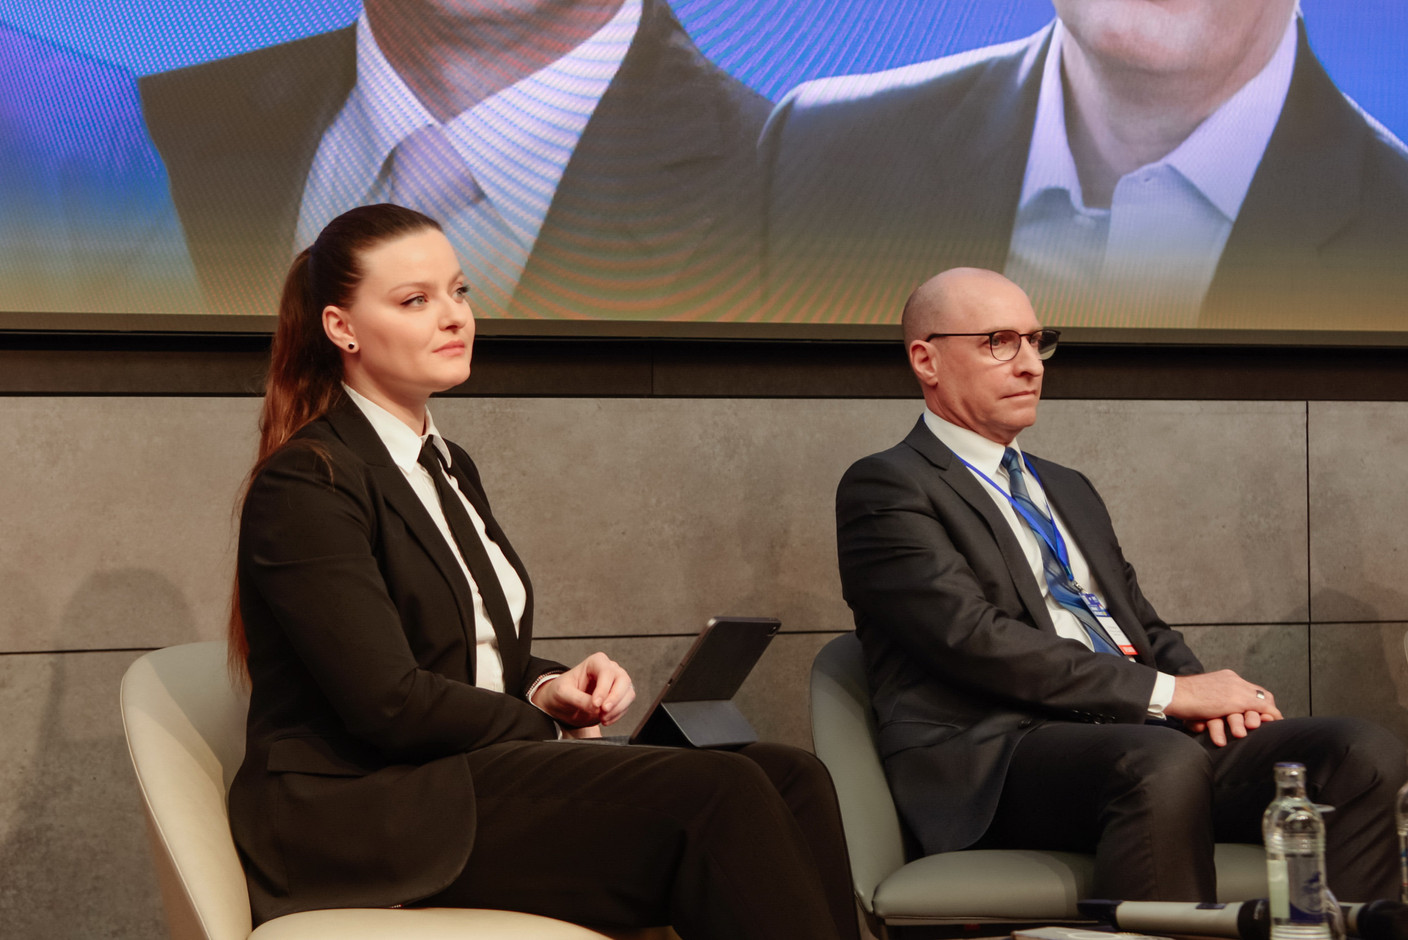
x: 596, y: 691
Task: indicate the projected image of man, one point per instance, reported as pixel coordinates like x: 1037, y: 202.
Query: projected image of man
x: 585, y: 159
x: 1176, y: 164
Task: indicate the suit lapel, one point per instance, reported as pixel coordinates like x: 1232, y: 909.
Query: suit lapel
x: 238, y: 137
x: 354, y: 429
x: 954, y: 474
x: 979, y: 153
x: 639, y: 195
x: 1306, y: 190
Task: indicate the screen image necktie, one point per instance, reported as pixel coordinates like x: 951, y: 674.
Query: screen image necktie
x: 426, y: 173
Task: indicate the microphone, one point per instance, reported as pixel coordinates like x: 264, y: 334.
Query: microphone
x: 1377, y: 920
x: 1247, y: 920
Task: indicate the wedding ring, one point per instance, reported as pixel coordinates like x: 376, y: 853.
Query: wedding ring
x: 1260, y: 694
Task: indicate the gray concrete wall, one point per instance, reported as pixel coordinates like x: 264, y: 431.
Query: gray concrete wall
x: 1273, y: 533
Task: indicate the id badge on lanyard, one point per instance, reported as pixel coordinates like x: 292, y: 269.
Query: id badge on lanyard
x: 1107, y: 623
x: 1091, y: 601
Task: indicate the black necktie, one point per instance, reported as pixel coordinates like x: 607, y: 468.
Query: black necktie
x: 475, y: 556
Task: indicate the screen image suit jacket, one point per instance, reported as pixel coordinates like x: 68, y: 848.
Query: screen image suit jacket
x: 656, y: 215
x: 875, y: 183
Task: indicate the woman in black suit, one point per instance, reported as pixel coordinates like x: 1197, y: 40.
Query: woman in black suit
x: 401, y: 739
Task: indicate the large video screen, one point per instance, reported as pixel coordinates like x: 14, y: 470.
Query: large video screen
x: 1205, y: 167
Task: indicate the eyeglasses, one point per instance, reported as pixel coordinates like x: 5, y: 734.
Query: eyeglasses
x: 1005, y: 344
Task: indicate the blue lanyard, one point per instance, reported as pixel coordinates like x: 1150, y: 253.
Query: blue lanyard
x: 1038, y: 526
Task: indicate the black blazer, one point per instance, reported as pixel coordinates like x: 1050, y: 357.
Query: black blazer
x: 877, y: 183
x: 655, y: 216
x: 962, y: 656
x: 354, y: 791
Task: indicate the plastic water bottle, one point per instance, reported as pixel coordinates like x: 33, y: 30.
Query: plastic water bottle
x: 1294, y: 833
x: 1403, y: 838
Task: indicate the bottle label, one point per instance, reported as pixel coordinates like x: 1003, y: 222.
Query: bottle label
x: 1296, y: 891
x: 1306, y: 890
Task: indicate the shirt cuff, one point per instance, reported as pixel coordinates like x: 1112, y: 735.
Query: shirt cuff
x: 1162, y: 695
x: 538, y: 683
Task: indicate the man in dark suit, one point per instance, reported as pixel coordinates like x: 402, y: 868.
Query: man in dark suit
x: 1027, y: 693
x: 1133, y: 164
x: 646, y: 211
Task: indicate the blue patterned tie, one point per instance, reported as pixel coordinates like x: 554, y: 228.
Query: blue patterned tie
x: 1061, y: 587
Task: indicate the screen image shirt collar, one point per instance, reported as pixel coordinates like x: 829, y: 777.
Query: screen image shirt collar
x: 517, y: 142
x: 1219, y: 158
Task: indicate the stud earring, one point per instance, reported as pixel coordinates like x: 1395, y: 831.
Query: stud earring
x: 351, y: 346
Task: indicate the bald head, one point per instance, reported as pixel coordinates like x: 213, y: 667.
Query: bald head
x: 963, y: 381
x: 960, y: 300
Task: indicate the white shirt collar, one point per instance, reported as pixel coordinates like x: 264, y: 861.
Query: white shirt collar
x: 401, y: 442
x: 969, y: 445
x: 517, y: 142
x: 1220, y: 157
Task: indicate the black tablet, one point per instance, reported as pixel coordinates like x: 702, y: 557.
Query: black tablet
x: 695, y: 708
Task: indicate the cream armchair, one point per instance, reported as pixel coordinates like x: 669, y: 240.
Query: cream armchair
x: 185, y: 731
x: 992, y: 886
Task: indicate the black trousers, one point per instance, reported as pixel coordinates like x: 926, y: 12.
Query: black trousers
x: 720, y: 845
x: 1150, y: 801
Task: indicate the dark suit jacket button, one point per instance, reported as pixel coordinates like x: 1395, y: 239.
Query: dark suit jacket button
x: 1024, y: 723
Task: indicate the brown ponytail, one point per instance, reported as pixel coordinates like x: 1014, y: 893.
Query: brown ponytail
x: 305, y: 368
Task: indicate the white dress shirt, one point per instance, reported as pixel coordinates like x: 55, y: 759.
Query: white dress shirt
x: 404, y: 446
x: 986, y: 456
x: 1148, y: 259
x: 517, y: 143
